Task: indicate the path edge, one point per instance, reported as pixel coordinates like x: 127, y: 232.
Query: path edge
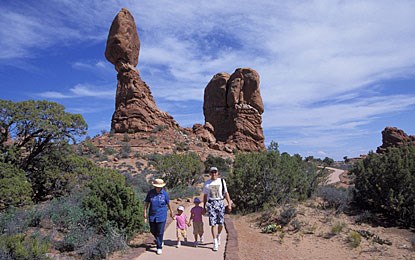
x: 232, y: 248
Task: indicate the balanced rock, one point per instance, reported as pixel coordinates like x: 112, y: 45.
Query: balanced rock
x: 394, y: 137
x: 135, y: 108
x: 233, y: 106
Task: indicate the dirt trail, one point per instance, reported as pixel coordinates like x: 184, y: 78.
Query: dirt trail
x: 335, y: 176
x: 187, y: 250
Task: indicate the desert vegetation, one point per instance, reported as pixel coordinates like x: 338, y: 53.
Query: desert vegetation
x: 55, y: 200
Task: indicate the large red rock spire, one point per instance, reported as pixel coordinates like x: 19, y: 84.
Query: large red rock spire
x: 233, y: 106
x: 135, y: 108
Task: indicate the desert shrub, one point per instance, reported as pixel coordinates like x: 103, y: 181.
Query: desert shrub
x: 159, y: 128
x: 15, y: 220
x: 99, y: 246
x: 126, y: 136
x: 265, y: 179
x: 111, y: 201
x: 286, y: 215
x: 271, y: 228
x: 181, y: 146
x: 386, y: 183
x: 183, y: 192
x: 223, y: 165
x: 139, y: 183
x: 15, y: 189
x: 67, y: 212
x: 20, y: 246
x: 354, y: 239
x: 109, y: 151
x: 337, y: 228
x: 180, y: 169
x: 125, y: 150
x: 365, y: 217
x: 334, y: 198
x: 91, y: 148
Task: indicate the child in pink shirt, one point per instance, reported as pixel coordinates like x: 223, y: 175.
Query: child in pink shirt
x: 196, y: 215
x: 180, y: 218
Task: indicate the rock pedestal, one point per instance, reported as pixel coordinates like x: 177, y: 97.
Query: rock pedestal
x: 135, y: 108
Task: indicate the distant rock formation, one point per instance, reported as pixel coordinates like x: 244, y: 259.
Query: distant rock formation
x: 393, y: 137
x: 233, y: 107
x: 135, y: 108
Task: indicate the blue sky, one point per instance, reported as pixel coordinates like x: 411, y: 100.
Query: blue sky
x: 333, y: 74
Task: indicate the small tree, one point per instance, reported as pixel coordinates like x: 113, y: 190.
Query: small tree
x: 180, y: 169
x: 114, y: 203
x: 263, y: 179
x: 35, y: 127
x: 15, y: 190
x: 386, y: 183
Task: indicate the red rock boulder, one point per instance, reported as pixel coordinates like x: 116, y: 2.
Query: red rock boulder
x: 394, y: 137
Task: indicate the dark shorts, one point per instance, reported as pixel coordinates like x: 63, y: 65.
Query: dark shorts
x: 216, y: 212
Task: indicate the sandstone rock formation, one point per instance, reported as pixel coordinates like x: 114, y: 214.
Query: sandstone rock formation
x: 233, y: 106
x: 135, y: 108
x: 393, y: 137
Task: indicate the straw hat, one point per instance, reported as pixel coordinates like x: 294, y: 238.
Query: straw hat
x: 159, y: 183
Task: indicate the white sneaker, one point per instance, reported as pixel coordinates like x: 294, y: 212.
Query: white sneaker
x: 218, y: 237
x: 215, y: 245
x: 201, y: 239
x: 159, y: 251
x: 178, y: 244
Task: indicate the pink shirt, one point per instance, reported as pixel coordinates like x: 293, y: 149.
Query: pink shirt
x: 181, y: 221
x: 196, y: 212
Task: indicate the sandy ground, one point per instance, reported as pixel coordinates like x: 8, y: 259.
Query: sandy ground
x: 313, y: 240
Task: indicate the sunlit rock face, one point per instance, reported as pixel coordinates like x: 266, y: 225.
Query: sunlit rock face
x: 233, y: 106
x: 135, y: 108
x: 394, y: 137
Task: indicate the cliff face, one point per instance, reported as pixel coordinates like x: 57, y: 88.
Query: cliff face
x: 135, y: 108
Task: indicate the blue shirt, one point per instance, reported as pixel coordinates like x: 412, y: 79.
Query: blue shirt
x: 158, y: 205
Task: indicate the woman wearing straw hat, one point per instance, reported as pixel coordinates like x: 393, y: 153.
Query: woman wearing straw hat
x: 156, y: 203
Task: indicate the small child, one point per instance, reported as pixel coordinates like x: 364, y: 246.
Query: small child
x: 196, y: 216
x: 180, y: 218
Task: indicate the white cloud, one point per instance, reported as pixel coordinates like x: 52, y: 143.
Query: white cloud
x: 320, y: 62
x: 80, y: 91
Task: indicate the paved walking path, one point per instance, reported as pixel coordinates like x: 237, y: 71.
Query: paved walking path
x: 187, y: 250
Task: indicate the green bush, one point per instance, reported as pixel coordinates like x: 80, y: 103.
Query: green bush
x: 337, y: 228
x: 180, y: 169
x: 183, y: 192
x: 265, y: 179
x: 113, y: 202
x: 223, y: 165
x: 386, y: 183
x: 335, y: 198
x: 354, y: 239
x: 22, y: 247
x: 15, y: 190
